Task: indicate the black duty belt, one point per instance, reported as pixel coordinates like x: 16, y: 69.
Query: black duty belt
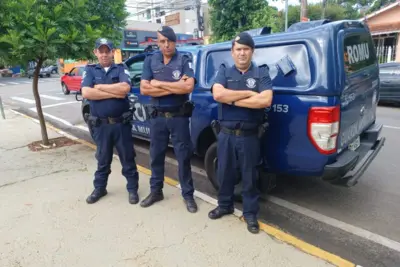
x: 110, y: 120
x: 239, y: 132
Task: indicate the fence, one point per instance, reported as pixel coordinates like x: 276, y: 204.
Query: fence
x: 386, y: 54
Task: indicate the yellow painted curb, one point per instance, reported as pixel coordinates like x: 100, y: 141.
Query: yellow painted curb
x: 304, y: 246
x: 270, y: 230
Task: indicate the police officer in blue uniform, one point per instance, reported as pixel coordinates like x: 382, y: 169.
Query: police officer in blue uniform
x: 169, y: 79
x: 106, y: 86
x: 242, y: 91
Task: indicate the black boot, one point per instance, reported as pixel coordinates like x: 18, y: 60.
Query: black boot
x: 96, y: 195
x: 133, y: 197
x: 191, y: 205
x: 252, y: 225
x: 152, y: 198
x: 218, y: 212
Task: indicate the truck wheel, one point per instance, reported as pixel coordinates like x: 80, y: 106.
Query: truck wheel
x: 65, y: 89
x: 210, y: 164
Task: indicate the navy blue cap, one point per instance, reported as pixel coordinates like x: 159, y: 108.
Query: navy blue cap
x: 168, y: 32
x: 104, y: 41
x: 244, y: 38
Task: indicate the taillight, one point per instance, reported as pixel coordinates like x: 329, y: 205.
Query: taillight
x: 323, y: 128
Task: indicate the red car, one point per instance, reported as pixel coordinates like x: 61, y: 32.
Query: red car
x: 72, y: 80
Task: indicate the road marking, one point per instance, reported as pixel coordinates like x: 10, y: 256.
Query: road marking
x: 55, y: 118
x: 384, y: 241
x: 271, y: 230
x: 27, y: 82
x: 2, y: 84
x: 391, y: 127
x: 55, y: 105
x: 12, y: 83
x: 53, y: 97
x: 25, y: 100
x: 82, y: 127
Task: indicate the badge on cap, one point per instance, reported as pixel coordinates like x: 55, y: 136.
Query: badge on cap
x: 237, y: 38
x: 103, y: 41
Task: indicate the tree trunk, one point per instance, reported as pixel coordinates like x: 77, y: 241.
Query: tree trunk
x: 303, y: 9
x: 45, y: 138
x: 323, y: 9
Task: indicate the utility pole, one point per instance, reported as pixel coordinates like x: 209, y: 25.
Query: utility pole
x: 200, y: 20
x: 286, y: 13
x: 303, y: 9
x: 323, y: 9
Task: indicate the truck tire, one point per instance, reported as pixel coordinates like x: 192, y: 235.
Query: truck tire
x: 210, y: 165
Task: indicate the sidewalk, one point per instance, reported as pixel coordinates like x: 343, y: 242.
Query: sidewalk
x: 45, y: 221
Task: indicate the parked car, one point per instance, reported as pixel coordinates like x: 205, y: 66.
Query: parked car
x: 43, y: 73
x: 53, y: 69
x: 72, y: 80
x: 322, y: 121
x: 389, y: 74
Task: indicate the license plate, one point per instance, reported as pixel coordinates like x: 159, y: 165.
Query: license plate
x: 355, y: 144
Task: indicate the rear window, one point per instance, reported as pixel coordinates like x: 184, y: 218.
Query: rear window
x: 359, y: 52
x: 288, y: 65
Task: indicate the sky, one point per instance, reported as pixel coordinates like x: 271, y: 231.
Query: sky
x: 280, y: 4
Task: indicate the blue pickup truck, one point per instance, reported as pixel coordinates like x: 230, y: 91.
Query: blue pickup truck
x: 322, y: 122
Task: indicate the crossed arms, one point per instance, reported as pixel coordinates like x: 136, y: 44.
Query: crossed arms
x: 106, y: 91
x: 157, y: 88
x: 242, y: 98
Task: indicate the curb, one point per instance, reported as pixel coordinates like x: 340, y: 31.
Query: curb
x: 268, y: 229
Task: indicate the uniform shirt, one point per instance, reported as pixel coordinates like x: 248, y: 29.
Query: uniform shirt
x: 158, y: 56
x: 95, y: 74
x: 265, y: 79
x: 265, y: 83
x: 154, y: 68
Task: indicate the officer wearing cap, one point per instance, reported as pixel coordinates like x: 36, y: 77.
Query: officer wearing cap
x: 242, y: 91
x: 169, y: 79
x: 106, y: 86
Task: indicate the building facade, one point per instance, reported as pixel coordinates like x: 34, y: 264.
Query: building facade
x: 183, y: 16
x: 138, y: 35
x: 384, y: 25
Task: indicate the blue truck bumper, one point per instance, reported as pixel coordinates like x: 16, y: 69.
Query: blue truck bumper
x: 351, y: 165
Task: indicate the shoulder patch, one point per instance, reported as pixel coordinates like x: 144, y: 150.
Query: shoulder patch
x: 264, y: 66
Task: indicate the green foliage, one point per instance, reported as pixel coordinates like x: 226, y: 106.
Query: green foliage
x: 267, y: 17
x: 379, y: 4
x: 229, y: 17
x: 314, y: 11
x: 49, y: 29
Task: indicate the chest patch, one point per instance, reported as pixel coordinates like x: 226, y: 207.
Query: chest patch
x: 250, y: 83
x: 176, y: 74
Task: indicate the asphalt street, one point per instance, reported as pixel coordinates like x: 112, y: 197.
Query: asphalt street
x: 359, y: 224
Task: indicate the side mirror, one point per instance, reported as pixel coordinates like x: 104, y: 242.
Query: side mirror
x: 78, y: 95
